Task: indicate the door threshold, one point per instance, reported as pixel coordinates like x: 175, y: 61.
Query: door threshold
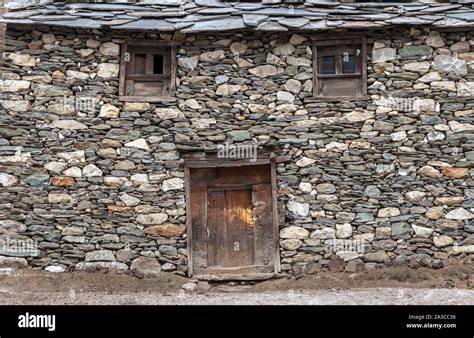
x: 236, y: 277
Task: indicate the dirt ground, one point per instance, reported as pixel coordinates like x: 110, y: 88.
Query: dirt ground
x: 394, y: 285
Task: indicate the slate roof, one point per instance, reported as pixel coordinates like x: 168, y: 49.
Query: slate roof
x: 191, y: 16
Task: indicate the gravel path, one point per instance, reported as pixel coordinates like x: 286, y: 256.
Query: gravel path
x: 371, y: 296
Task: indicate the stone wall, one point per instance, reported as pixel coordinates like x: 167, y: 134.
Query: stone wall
x: 102, y: 186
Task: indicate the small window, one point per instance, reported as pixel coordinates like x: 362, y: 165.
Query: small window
x: 340, y: 68
x: 148, y: 72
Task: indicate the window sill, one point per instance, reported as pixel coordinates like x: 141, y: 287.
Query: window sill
x: 336, y: 98
x: 147, y: 98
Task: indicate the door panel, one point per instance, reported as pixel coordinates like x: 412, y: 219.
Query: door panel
x: 262, y: 209
x: 231, y: 221
x: 216, y: 225
x: 239, y: 217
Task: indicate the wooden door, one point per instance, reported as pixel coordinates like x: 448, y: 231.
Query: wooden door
x: 231, y: 223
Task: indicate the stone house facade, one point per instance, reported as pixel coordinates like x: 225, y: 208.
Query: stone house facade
x: 357, y: 119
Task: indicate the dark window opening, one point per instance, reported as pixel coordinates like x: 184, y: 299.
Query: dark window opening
x: 158, y: 64
x: 348, y: 64
x: 329, y: 64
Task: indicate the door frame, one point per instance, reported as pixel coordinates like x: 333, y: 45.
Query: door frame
x: 214, y: 162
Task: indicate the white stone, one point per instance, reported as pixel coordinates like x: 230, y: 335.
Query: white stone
x: 68, y: 124
x: 292, y: 86
x: 419, y: 67
x: 22, y: 59
x: 189, y: 287
x: 168, y: 113
x: 442, y: 241
x: 227, y: 89
x: 189, y: 62
x: 139, y: 144
x: 75, y: 75
x: 465, y: 88
x: 398, y: 136
x: 109, y: 111
x: 212, y: 56
x: 11, y: 86
x: 172, y: 184
x: 73, y: 172
x: 422, y: 232
x: 199, y: 123
x: 457, y: 127
x: 264, y: 71
x: 389, y: 212
x: 348, y: 255
x: 108, y: 70
x: 109, y: 49
x: 294, y: 232
x: 304, y: 162
x: 434, y: 39
x: 129, y: 200
x: 7, y: 180
x: 336, y: 146
x: 48, y: 38
x: 415, y: 196
x: 457, y: 250
x: 73, y: 156
x: 193, y: 104
x: 285, y: 49
x: 298, y: 209
x: 449, y: 86
x: 56, y: 167
x: 430, y: 77
x: 91, y: 170
x: 295, y: 61
x: 305, y: 187
x: 459, y: 214
x: 238, y: 48
x: 290, y: 244
x: 138, y: 179
x: 152, y: 219
x: 115, y: 182
x: 285, y: 96
x: 297, y: 39
x: 55, y: 269
x: 383, y: 54
x: 343, y: 230
x: 359, y: 116
x: 325, y: 233
x: 450, y: 65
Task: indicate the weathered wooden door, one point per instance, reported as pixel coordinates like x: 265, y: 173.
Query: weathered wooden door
x: 232, y: 230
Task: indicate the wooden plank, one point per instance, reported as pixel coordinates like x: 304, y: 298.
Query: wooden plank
x: 262, y: 211
x: 275, y: 216
x: 189, y: 232
x: 216, y: 226
x: 174, y: 67
x: 213, y: 163
x: 235, y: 269
x: 315, y: 70
x: 122, y: 70
x: 364, y: 66
x: 198, y: 225
x: 237, y: 276
x: 238, y: 215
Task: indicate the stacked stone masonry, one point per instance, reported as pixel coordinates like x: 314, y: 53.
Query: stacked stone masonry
x: 104, y: 187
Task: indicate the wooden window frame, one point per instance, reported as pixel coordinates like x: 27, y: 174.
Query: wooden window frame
x: 170, y: 70
x: 339, y: 41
